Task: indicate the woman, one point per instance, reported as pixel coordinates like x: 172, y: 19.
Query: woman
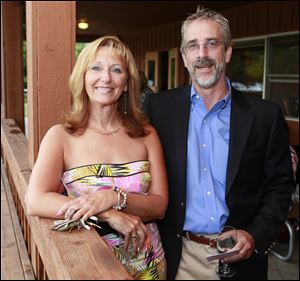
x: 104, y: 156
x: 144, y: 88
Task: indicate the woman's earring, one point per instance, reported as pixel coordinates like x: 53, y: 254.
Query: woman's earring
x: 125, y: 103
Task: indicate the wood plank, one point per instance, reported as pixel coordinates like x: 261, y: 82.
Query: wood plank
x: 11, y: 265
x: 25, y: 261
x: 69, y: 255
x: 50, y: 59
x: 15, y: 145
x: 12, y: 85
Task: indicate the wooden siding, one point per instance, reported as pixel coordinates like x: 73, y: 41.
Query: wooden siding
x: 267, y: 17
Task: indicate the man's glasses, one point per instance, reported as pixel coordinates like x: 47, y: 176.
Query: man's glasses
x: 209, y: 45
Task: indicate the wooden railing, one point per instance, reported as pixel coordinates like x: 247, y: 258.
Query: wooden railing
x: 54, y: 255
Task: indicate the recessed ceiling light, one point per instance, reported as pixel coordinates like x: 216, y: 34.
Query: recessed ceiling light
x: 83, y: 24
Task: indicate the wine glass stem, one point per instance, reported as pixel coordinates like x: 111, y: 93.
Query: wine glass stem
x: 226, y: 268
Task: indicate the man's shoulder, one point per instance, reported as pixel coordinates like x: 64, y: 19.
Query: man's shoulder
x: 253, y: 101
x: 176, y: 92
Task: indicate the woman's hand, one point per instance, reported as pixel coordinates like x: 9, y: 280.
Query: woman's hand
x: 88, y: 205
x: 128, y: 225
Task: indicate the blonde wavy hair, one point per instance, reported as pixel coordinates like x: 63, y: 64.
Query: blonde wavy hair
x: 76, y: 120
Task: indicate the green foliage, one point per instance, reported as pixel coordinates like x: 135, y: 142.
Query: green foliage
x: 247, y: 65
x: 79, y: 47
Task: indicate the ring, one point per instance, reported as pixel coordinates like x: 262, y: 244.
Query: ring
x: 69, y: 213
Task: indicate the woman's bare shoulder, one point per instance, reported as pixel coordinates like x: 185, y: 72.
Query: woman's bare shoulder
x: 149, y: 128
x: 152, y: 134
x: 56, y: 132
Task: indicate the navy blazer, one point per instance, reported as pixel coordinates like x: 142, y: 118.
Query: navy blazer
x: 259, y: 180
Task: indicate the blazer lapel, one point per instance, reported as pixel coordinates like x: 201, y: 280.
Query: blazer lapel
x: 180, y: 122
x: 240, y: 125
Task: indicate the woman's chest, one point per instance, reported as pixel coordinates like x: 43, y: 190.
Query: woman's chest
x: 84, y: 151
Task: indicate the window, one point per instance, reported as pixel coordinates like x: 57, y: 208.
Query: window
x: 283, y: 74
x: 152, y: 70
x: 173, y: 68
x: 268, y: 67
x: 246, y: 68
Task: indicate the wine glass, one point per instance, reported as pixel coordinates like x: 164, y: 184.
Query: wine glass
x: 226, y: 240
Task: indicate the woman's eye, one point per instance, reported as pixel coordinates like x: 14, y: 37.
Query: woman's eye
x: 117, y: 70
x: 96, y: 68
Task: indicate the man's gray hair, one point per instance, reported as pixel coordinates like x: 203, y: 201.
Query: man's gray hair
x: 204, y: 13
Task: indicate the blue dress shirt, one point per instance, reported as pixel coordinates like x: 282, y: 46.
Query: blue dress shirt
x: 208, y: 140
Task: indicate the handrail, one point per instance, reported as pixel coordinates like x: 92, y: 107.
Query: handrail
x: 54, y: 255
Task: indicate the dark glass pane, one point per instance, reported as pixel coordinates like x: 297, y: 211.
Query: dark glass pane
x: 245, y: 69
x: 284, y: 55
x: 287, y: 96
x: 151, y: 72
x: 172, y: 73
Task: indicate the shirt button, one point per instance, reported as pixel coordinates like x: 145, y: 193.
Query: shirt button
x: 204, y: 169
x: 208, y: 193
x: 197, y: 97
x: 204, y: 145
x: 212, y: 218
x: 204, y: 121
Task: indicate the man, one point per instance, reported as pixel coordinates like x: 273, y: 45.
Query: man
x: 227, y: 158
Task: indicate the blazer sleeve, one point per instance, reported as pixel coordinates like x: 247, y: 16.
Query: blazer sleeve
x: 278, y: 186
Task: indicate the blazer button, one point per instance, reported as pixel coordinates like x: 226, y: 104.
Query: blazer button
x: 182, y: 204
x: 178, y: 235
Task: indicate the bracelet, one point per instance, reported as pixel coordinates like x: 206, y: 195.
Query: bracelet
x: 120, y: 206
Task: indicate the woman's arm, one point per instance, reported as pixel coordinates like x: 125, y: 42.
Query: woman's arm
x: 42, y: 197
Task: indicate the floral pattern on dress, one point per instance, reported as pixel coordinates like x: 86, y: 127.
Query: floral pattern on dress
x: 133, y: 177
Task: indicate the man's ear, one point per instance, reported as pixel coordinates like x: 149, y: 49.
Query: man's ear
x: 228, y: 54
x: 184, y: 59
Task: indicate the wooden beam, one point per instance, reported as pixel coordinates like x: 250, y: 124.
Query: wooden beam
x: 51, y: 27
x: 15, y: 266
x: 12, y: 86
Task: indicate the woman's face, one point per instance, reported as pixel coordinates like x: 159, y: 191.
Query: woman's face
x: 106, y: 78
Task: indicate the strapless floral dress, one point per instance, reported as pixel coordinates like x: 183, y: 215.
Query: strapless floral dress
x: 133, y: 177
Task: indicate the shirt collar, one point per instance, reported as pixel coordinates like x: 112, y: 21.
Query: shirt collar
x: 223, y: 101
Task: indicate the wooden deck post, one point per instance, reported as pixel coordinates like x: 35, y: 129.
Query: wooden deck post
x: 51, y: 27
x: 12, y: 95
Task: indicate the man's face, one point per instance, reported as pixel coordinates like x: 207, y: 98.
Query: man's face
x: 204, y: 53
